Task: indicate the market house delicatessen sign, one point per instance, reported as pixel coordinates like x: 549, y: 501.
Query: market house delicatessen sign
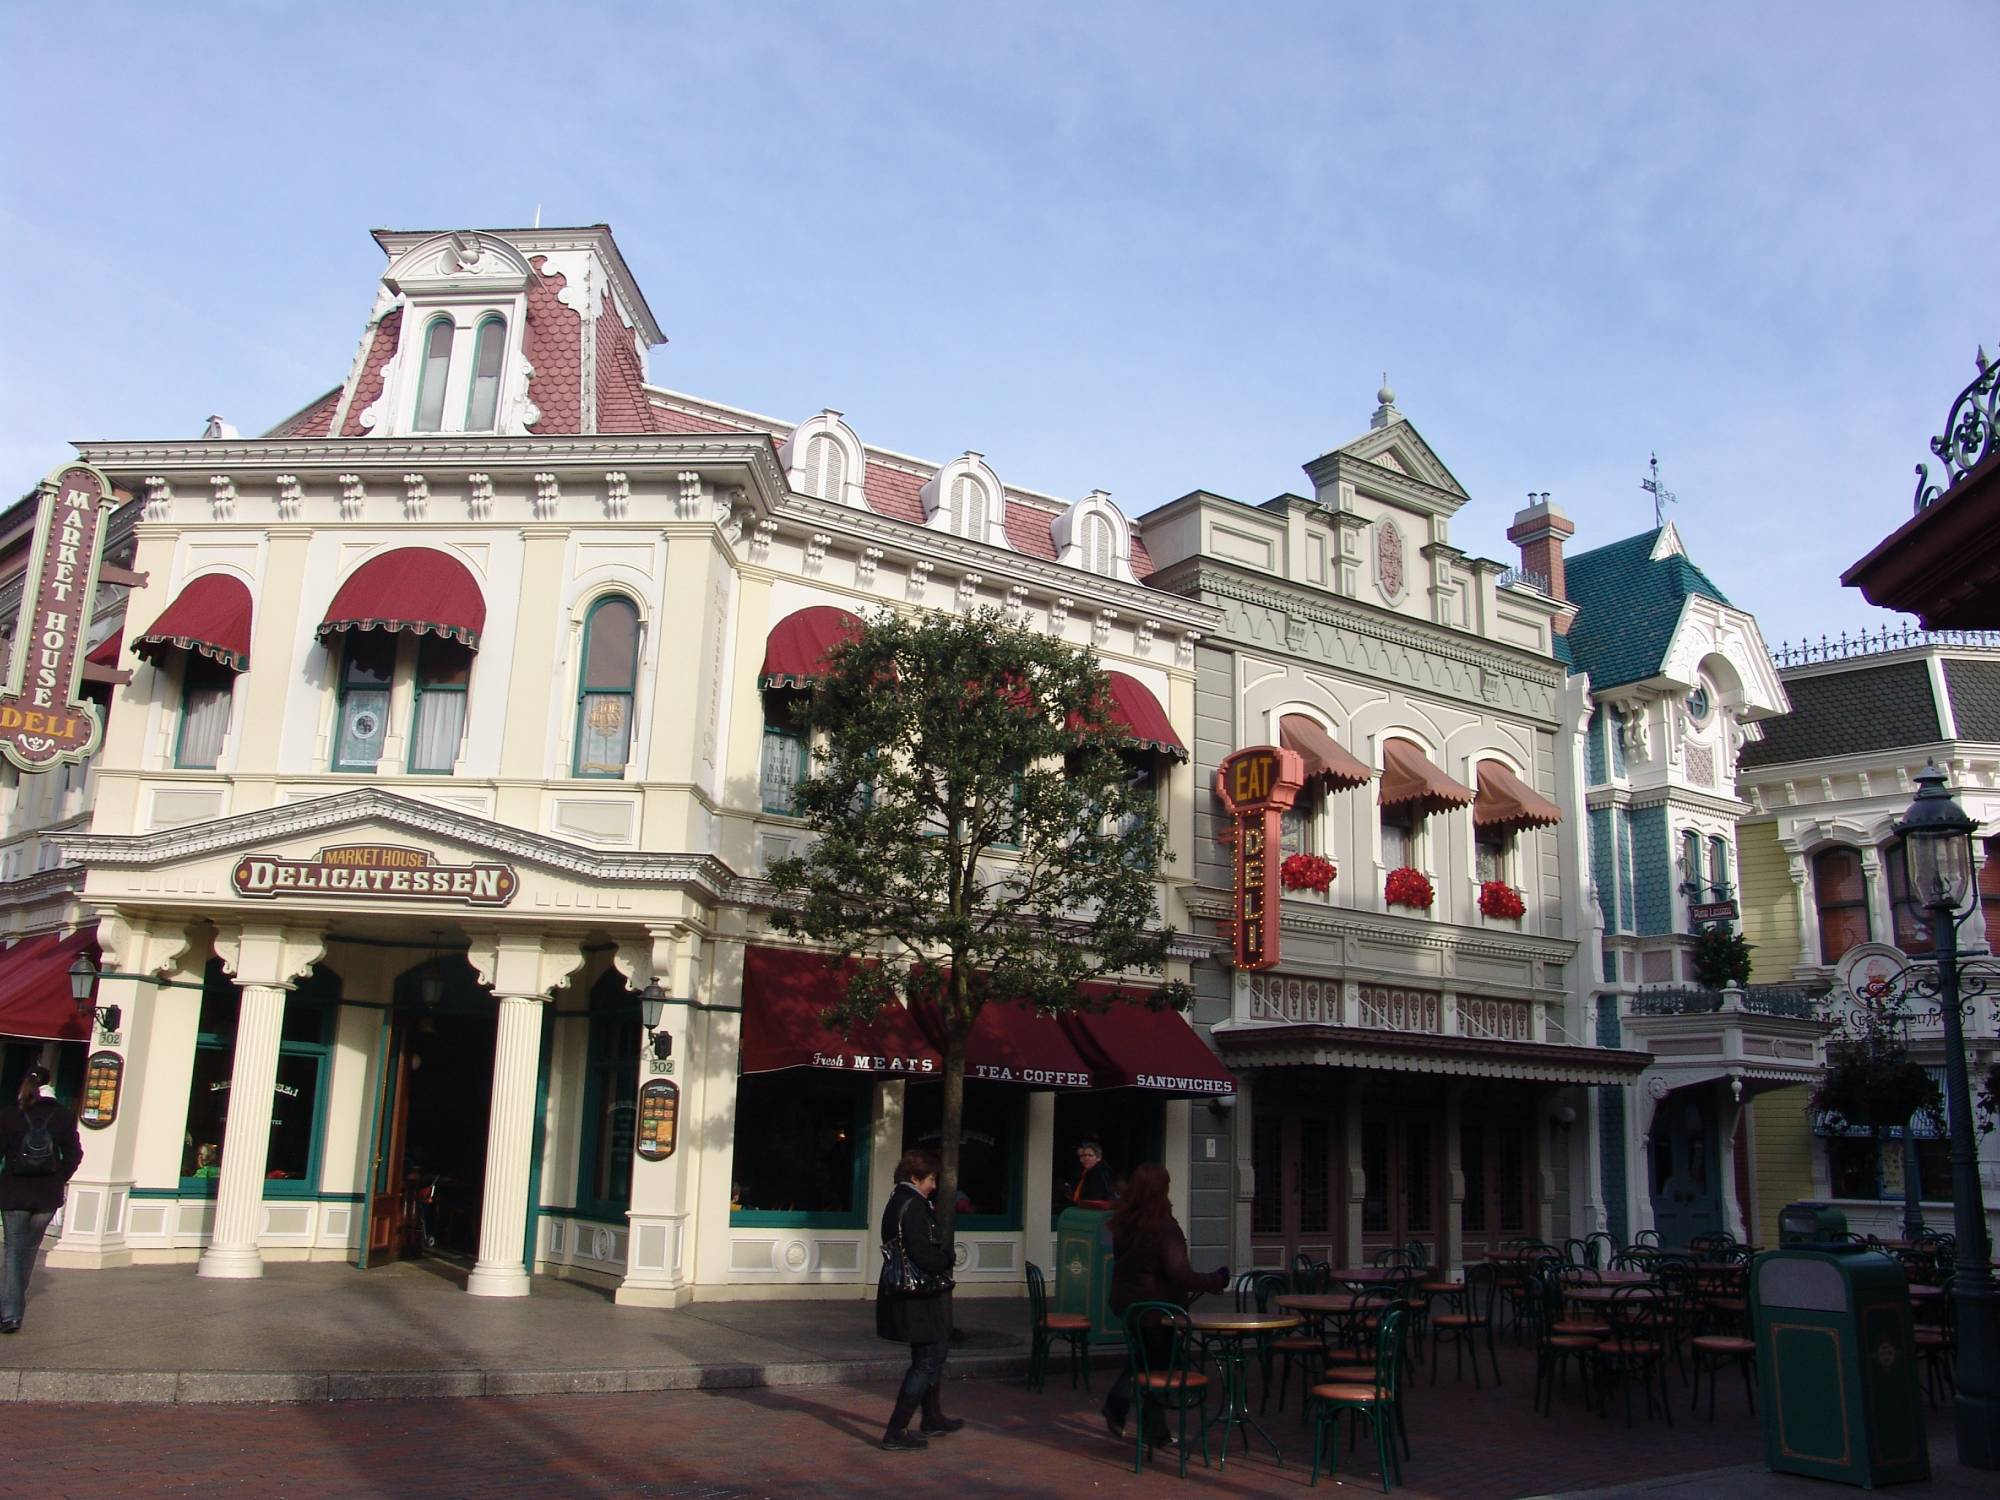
x: 370, y: 872
x: 42, y: 720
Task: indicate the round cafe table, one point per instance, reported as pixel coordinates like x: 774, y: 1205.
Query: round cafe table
x: 1374, y: 1275
x: 1599, y: 1295
x: 1229, y: 1336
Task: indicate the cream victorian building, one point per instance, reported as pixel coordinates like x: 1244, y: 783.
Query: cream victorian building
x: 450, y: 742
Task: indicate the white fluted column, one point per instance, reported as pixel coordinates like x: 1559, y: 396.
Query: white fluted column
x: 246, y: 1142
x: 510, y: 1141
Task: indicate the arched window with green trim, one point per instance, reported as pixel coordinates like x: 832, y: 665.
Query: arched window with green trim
x: 605, y: 686
x: 434, y: 374
x: 489, y: 345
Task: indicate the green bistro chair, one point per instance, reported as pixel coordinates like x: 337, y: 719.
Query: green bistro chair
x: 1047, y: 1327
x: 1558, y: 1340
x: 1361, y: 1369
x: 1463, y: 1329
x: 1172, y: 1385
x: 1372, y: 1401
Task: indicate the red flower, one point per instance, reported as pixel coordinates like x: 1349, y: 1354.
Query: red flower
x: 1408, y: 887
x: 1306, y: 872
x: 1499, y: 899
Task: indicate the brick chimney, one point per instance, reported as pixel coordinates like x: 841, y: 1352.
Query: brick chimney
x: 1539, y: 531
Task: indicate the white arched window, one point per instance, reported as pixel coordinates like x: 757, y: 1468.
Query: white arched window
x: 489, y: 352
x: 968, y: 507
x: 1097, y: 544
x: 826, y: 467
x: 434, y: 375
x: 1094, y: 535
x: 966, y: 498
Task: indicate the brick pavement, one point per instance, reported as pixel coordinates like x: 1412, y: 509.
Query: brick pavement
x: 818, y: 1440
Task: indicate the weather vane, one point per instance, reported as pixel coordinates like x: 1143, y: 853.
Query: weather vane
x: 1662, y: 496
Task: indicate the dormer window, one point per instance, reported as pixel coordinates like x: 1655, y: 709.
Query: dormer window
x: 1097, y: 545
x: 826, y: 467
x: 968, y: 508
x: 1094, y: 535
x: 434, y: 376
x: 488, y: 350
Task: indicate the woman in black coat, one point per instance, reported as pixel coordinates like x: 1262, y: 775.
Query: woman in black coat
x: 39, y: 1144
x: 1149, y: 1263
x: 923, y: 1322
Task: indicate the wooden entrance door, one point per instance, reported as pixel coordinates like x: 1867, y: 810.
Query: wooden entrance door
x: 389, y: 1207
x: 1292, y: 1154
x: 1401, y: 1172
x: 1687, y: 1174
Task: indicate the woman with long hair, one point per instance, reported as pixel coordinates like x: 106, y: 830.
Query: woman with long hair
x: 920, y: 1319
x: 39, y: 1145
x: 1149, y: 1263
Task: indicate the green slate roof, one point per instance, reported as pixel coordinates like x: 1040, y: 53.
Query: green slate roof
x: 1627, y: 607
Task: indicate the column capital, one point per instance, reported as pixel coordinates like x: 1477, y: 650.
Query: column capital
x: 273, y: 957
x: 522, y: 965
x: 668, y: 956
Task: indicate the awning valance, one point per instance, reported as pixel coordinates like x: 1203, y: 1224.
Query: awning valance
x: 210, y: 615
x: 1131, y: 1045
x: 1135, y: 710
x: 795, y: 655
x: 784, y: 992
x: 1012, y: 1043
x: 1409, y: 776
x: 1505, y: 801
x: 417, y: 589
x: 1320, y: 1045
x: 35, y: 1002
x: 1325, y: 759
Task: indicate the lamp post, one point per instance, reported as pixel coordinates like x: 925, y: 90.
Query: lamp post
x: 1938, y: 836
x: 83, y: 986
x: 652, y: 1010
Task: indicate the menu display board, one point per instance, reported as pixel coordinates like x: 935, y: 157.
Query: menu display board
x: 659, y: 1119
x: 103, y: 1078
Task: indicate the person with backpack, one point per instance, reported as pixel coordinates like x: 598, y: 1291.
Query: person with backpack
x: 40, y: 1152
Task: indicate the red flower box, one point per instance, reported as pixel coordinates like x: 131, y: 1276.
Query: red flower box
x: 1409, y: 887
x: 1499, y: 899
x: 1306, y: 872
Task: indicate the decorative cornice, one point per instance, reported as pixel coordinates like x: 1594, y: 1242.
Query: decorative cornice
x: 1405, y: 932
x: 1256, y: 1045
x: 1202, y: 577
x: 701, y: 875
x: 64, y: 880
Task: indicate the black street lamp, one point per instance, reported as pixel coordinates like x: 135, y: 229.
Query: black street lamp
x: 83, y: 986
x: 653, y: 1010
x: 1938, y: 837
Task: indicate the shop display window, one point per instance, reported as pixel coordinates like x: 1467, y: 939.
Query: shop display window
x: 801, y: 1149
x: 990, y: 1156
x: 610, y: 1104
x: 605, y: 688
x: 298, y: 1106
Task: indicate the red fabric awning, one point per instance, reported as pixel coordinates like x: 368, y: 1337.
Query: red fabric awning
x: 417, y: 589
x: 1131, y: 1045
x: 784, y: 992
x: 1409, y: 776
x: 210, y: 615
x: 1322, y: 753
x: 35, y: 1003
x: 1138, y: 713
x: 105, y: 652
x: 795, y: 654
x: 1505, y: 801
x: 100, y: 666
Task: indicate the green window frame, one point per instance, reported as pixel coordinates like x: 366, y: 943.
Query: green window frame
x: 207, y: 688
x: 305, y: 1059
x: 607, y: 681
x: 489, y: 351
x: 860, y: 1132
x: 367, y: 677
x: 433, y: 374
x: 444, y: 673
x: 1005, y: 1106
x: 610, y: 1109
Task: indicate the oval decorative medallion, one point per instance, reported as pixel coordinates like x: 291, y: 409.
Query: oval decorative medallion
x: 1389, y: 557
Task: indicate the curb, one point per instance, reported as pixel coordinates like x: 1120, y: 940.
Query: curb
x: 207, y: 1387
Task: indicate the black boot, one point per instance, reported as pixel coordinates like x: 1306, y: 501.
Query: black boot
x: 898, y: 1436
x: 936, y: 1423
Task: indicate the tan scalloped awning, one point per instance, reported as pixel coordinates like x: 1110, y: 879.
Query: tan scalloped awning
x: 1505, y: 801
x: 1322, y: 753
x: 1409, y: 776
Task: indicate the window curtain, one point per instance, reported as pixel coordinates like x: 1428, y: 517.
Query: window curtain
x: 440, y: 730
x: 204, y: 717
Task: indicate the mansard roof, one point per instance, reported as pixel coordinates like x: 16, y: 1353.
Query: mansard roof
x: 1881, y: 706
x: 1630, y: 596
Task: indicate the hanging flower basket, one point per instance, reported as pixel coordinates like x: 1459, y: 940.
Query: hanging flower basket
x: 1871, y: 1082
x: 1306, y: 872
x: 1409, y: 887
x: 1499, y: 899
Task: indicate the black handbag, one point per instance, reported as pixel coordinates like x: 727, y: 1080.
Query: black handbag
x: 904, y: 1277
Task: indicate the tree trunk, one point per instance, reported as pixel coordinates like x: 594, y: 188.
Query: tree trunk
x: 949, y: 1128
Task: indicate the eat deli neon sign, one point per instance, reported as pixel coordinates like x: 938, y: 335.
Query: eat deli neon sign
x: 1256, y: 786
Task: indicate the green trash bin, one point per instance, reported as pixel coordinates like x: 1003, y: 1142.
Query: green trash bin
x: 1836, y: 1363
x: 1083, y: 1270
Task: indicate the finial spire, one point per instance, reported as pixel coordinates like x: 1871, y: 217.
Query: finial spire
x: 1386, y: 412
x: 1662, y: 496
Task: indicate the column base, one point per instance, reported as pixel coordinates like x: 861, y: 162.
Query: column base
x: 87, y: 1257
x: 225, y: 1264
x: 497, y: 1281
x: 630, y: 1295
x: 1977, y: 1420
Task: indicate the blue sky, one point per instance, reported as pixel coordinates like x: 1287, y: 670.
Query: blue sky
x: 1143, y: 247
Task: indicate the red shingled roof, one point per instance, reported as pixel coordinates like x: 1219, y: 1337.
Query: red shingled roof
x: 1031, y: 531
x: 1142, y: 560
x: 892, y: 492
x: 315, y: 421
x: 553, y: 343
x: 621, y: 394
x: 666, y: 420
x: 368, y: 389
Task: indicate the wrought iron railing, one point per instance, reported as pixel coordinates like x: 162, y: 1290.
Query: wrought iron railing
x: 1971, y: 434
x: 1785, y: 1000
x: 1792, y: 1001
x: 1524, y: 578
x: 1676, y: 1002
x: 1871, y: 642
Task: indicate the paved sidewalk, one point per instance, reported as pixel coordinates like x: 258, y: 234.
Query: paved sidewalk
x: 319, y: 1332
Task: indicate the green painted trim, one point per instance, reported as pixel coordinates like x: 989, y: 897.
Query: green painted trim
x: 423, y: 372
x: 549, y: 1210
x: 585, y: 690
x: 195, y: 1195
x: 472, y: 383
x: 768, y: 1218
x: 417, y: 695
x: 188, y: 659
x: 540, y: 1142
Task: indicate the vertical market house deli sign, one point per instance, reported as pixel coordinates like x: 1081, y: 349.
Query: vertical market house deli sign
x: 374, y: 871
x: 1256, y: 786
x: 42, y: 720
